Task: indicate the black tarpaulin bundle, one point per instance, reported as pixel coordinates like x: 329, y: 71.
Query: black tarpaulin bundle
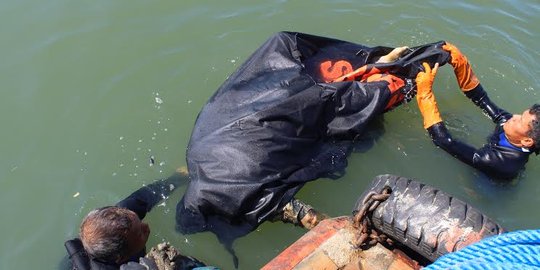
x: 287, y: 116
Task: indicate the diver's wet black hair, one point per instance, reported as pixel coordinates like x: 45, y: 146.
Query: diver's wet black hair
x: 534, y: 133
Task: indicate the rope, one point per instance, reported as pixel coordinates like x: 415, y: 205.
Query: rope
x: 514, y: 250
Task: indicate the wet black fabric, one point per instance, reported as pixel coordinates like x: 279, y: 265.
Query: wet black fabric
x: 276, y: 124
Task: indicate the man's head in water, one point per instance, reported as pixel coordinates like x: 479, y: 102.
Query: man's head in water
x: 113, y: 234
x: 523, y: 130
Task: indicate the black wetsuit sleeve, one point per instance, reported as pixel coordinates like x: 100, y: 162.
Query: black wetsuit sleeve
x: 480, y: 98
x: 489, y: 159
x: 442, y: 138
x: 144, y: 199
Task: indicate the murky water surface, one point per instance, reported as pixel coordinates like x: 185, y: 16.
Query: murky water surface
x: 92, y: 89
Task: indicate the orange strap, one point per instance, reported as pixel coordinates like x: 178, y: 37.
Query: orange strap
x: 369, y: 73
x: 336, y: 72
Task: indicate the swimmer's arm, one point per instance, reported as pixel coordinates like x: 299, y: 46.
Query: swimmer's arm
x: 486, y: 159
x: 481, y: 99
x: 356, y: 75
x: 442, y: 138
x: 470, y: 85
x: 145, y: 198
x: 367, y: 70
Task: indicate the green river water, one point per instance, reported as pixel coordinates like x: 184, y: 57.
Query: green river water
x: 80, y: 118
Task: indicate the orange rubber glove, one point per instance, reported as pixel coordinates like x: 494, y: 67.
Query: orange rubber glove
x: 464, y: 73
x: 425, y: 98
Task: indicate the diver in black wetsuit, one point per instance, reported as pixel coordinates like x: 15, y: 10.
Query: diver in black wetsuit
x: 513, y: 140
x: 505, y: 154
x: 114, y: 237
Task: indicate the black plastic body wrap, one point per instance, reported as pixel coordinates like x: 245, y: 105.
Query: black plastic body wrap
x: 276, y: 123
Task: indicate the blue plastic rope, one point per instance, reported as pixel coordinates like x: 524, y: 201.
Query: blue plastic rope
x: 513, y: 250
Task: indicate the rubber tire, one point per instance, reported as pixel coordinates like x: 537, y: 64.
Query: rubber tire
x: 426, y: 220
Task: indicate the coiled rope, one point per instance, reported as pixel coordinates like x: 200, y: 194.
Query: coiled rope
x: 513, y: 250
